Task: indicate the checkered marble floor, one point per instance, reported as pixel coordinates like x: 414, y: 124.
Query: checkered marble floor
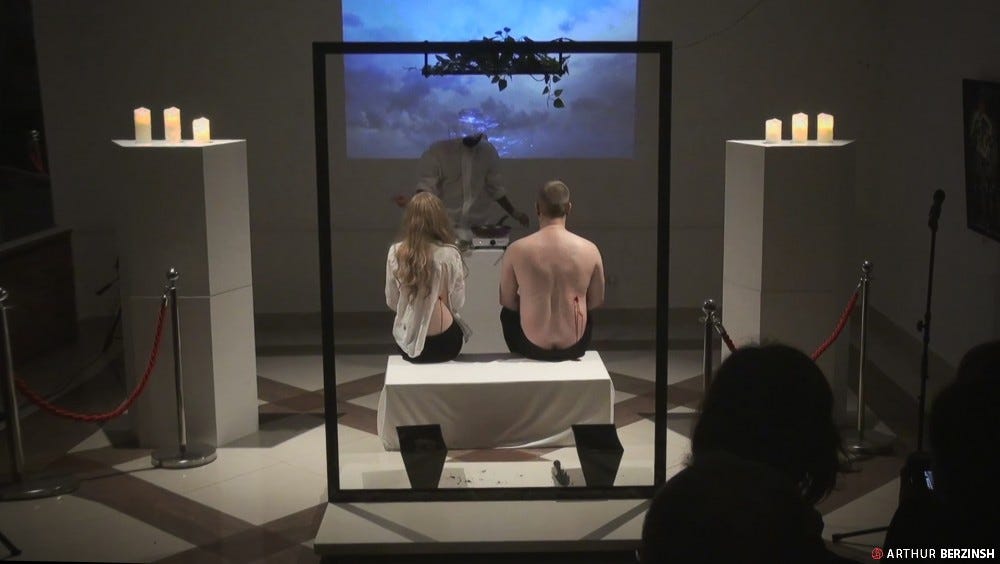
x: 263, y: 498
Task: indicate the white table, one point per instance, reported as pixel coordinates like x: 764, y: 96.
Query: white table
x: 502, y: 401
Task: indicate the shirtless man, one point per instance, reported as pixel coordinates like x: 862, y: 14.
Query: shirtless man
x: 549, y: 282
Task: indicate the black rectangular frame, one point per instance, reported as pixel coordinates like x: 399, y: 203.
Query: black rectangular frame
x: 320, y: 51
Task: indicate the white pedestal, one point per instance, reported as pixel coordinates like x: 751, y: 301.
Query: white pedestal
x: 482, y: 301
x: 186, y: 206
x: 786, y: 270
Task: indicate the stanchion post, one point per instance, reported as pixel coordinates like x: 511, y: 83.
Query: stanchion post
x: 10, y: 396
x: 184, y: 455
x: 175, y: 331
x: 874, y: 443
x: 709, y: 309
x: 20, y: 488
x: 866, y: 270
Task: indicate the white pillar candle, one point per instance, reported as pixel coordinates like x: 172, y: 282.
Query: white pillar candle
x: 800, y: 128
x: 824, y: 128
x: 143, y: 125
x: 200, y: 129
x: 772, y: 131
x: 172, y: 125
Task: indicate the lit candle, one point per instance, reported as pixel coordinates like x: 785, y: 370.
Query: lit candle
x: 201, y: 131
x: 824, y: 128
x: 143, y: 125
x: 800, y: 128
x: 172, y: 125
x: 772, y: 131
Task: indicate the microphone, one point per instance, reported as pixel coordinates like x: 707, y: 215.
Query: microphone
x: 935, y: 214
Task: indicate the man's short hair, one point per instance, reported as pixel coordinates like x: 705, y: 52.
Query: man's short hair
x: 553, y: 199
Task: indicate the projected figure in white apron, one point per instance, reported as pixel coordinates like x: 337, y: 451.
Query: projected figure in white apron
x: 464, y: 173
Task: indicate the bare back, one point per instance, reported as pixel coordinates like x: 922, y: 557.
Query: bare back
x: 553, y: 278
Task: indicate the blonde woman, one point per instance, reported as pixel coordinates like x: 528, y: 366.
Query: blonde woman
x: 425, y: 284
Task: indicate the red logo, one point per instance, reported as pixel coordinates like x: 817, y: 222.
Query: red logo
x: 877, y: 553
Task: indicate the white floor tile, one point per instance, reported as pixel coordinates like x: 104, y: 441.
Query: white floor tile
x: 354, y: 441
x: 351, y: 367
x: 266, y: 494
x: 231, y: 462
x: 621, y: 396
x: 314, y: 462
x: 308, y: 443
x: 98, y: 440
x: 301, y: 371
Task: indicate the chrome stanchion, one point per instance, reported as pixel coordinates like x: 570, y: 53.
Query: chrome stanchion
x: 20, y: 488
x: 184, y: 455
x: 864, y: 442
x: 709, y: 309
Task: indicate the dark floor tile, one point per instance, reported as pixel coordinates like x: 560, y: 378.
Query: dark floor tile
x: 271, y: 390
x: 358, y: 417
x: 309, y: 402
x: 360, y: 387
x: 297, y: 554
x: 251, y: 545
x: 630, y: 410
x: 196, y: 555
x: 186, y: 519
x: 631, y: 384
x: 497, y: 455
x: 277, y: 428
x: 300, y: 526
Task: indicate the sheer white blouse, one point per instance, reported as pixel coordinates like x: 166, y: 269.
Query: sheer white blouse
x: 413, y: 313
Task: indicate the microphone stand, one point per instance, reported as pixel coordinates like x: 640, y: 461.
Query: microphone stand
x: 908, y: 476
x: 924, y: 324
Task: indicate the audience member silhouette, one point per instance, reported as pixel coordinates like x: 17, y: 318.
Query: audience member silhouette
x: 725, y: 509
x: 772, y: 404
x: 959, y: 506
x: 763, y: 452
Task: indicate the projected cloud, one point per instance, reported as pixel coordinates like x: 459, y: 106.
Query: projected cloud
x: 392, y: 111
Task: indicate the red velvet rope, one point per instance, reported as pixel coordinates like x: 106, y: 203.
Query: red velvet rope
x: 41, y: 402
x: 725, y: 337
x: 841, y: 323
x: 840, y: 326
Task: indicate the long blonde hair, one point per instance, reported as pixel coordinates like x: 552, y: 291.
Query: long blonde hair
x: 425, y: 225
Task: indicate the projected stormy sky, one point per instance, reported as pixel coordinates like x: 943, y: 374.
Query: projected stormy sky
x: 392, y: 111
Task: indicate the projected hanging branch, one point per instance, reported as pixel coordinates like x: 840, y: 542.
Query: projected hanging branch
x: 502, y: 63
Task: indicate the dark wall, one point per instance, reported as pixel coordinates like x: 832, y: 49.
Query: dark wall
x: 25, y: 196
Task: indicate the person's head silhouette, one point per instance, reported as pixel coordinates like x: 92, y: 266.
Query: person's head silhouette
x: 771, y: 404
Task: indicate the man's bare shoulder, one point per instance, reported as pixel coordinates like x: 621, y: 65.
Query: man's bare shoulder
x: 584, y: 243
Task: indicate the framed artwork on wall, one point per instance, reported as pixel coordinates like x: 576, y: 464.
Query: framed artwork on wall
x: 981, y: 112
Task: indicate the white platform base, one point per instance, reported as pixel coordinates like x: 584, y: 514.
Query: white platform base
x: 441, y: 527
